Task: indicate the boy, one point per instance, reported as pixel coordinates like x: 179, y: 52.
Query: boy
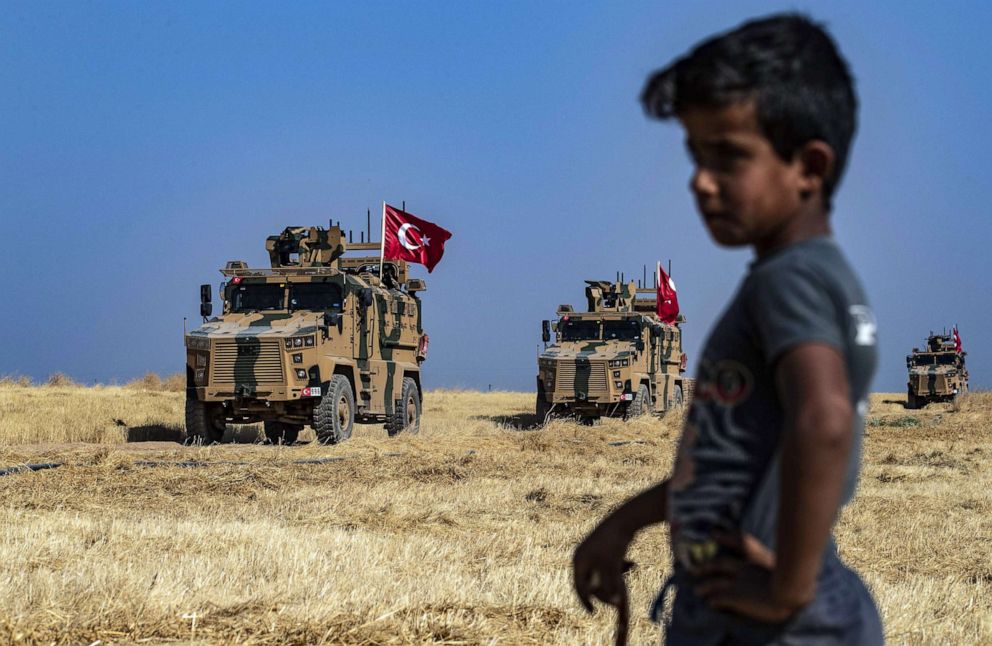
x: 771, y: 446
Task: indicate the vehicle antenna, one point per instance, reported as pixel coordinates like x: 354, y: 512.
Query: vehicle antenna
x: 349, y: 235
x: 368, y: 222
x: 184, y: 327
x: 669, y: 266
x: 363, y: 236
x: 644, y: 280
x: 403, y: 208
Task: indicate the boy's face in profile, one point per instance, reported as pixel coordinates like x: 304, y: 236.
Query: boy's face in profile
x: 745, y: 192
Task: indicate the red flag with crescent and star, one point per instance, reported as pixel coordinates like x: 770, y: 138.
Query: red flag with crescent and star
x: 407, y: 237
x: 957, y: 341
x: 668, y: 300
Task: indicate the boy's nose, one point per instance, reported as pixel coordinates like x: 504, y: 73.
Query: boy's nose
x: 703, y: 184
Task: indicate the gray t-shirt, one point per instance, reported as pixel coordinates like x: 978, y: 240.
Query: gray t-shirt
x: 726, y: 474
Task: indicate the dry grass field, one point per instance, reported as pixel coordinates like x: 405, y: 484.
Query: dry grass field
x: 459, y: 535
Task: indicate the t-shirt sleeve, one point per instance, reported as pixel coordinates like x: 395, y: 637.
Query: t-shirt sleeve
x: 792, y: 306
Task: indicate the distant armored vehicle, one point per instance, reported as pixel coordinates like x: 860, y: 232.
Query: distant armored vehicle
x: 937, y: 373
x: 616, y: 359
x: 315, y: 339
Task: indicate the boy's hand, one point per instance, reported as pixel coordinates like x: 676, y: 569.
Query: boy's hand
x: 744, y: 589
x: 741, y: 580
x: 599, y: 564
x: 598, y: 567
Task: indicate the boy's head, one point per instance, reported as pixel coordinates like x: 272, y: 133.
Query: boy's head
x: 770, y: 111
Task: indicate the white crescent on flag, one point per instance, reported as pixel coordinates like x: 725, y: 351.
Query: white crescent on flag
x: 404, y: 240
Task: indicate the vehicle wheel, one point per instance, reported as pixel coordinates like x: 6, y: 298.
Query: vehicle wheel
x: 281, y: 433
x: 911, y: 401
x: 407, y: 416
x: 678, y: 399
x: 334, y: 416
x: 641, y: 404
x: 204, y: 425
x: 542, y: 409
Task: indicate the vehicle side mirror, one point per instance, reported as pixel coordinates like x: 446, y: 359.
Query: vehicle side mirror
x: 205, y: 294
x: 365, y: 297
x: 206, y: 309
x: 546, y: 331
x: 639, y: 344
x: 656, y: 331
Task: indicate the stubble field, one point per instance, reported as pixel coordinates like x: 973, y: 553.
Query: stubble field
x: 460, y: 535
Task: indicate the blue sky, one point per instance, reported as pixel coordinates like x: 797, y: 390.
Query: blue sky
x: 144, y: 144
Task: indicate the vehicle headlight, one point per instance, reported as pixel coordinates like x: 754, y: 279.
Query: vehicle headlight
x: 201, y: 361
x: 308, y: 341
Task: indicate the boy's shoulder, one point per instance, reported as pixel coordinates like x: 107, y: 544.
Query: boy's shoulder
x: 817, y: 264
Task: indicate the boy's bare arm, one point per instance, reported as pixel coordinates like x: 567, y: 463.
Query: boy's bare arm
x: 813, y: 388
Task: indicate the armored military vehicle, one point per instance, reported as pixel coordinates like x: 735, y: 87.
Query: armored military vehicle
x: 616, y: 359
x: 937, y: 372
x: 317, y: 339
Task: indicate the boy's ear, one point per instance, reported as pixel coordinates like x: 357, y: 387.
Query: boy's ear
x: 817, y: 160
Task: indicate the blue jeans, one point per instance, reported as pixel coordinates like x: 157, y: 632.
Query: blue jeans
x: 842, y: 613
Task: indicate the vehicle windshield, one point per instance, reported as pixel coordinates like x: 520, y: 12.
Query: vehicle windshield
x: 625, y: 330
x: 579, y: 329
x: 943, y: 359
x: 315, y: 296
x: 252, y: 298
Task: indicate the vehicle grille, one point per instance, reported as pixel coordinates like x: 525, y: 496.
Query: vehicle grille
x: 248, y: 361
x: 589, y: 378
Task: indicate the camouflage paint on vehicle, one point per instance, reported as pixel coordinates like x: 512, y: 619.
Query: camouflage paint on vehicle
x: 630, y: 348
x: 937, y: 373
x: 254, y: 364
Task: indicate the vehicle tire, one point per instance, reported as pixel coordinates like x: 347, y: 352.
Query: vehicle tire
x: 912, y: 402
x: 281, y: 433
x: 678, y: 399
x: 334, y: 416
x: 542, y: 408
x: 641, y: 404
x: 407, y: 416
x: 203, y: 423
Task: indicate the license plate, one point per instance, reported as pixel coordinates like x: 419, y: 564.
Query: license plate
x: 312, y: 392
x: 627, y: 397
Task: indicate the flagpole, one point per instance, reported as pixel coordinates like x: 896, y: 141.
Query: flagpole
x: 382, y: 242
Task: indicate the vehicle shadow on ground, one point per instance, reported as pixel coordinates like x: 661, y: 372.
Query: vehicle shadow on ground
x: 155, y: 433
x: 517, y: 422
x: 901, y: 402
x: 240, y: 434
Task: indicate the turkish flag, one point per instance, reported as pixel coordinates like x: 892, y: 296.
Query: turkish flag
x: 957, y: 341
x: 668, y: 300
x: 407, y: 237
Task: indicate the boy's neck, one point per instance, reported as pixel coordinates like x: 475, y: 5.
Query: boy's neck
x: 810, y: 222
